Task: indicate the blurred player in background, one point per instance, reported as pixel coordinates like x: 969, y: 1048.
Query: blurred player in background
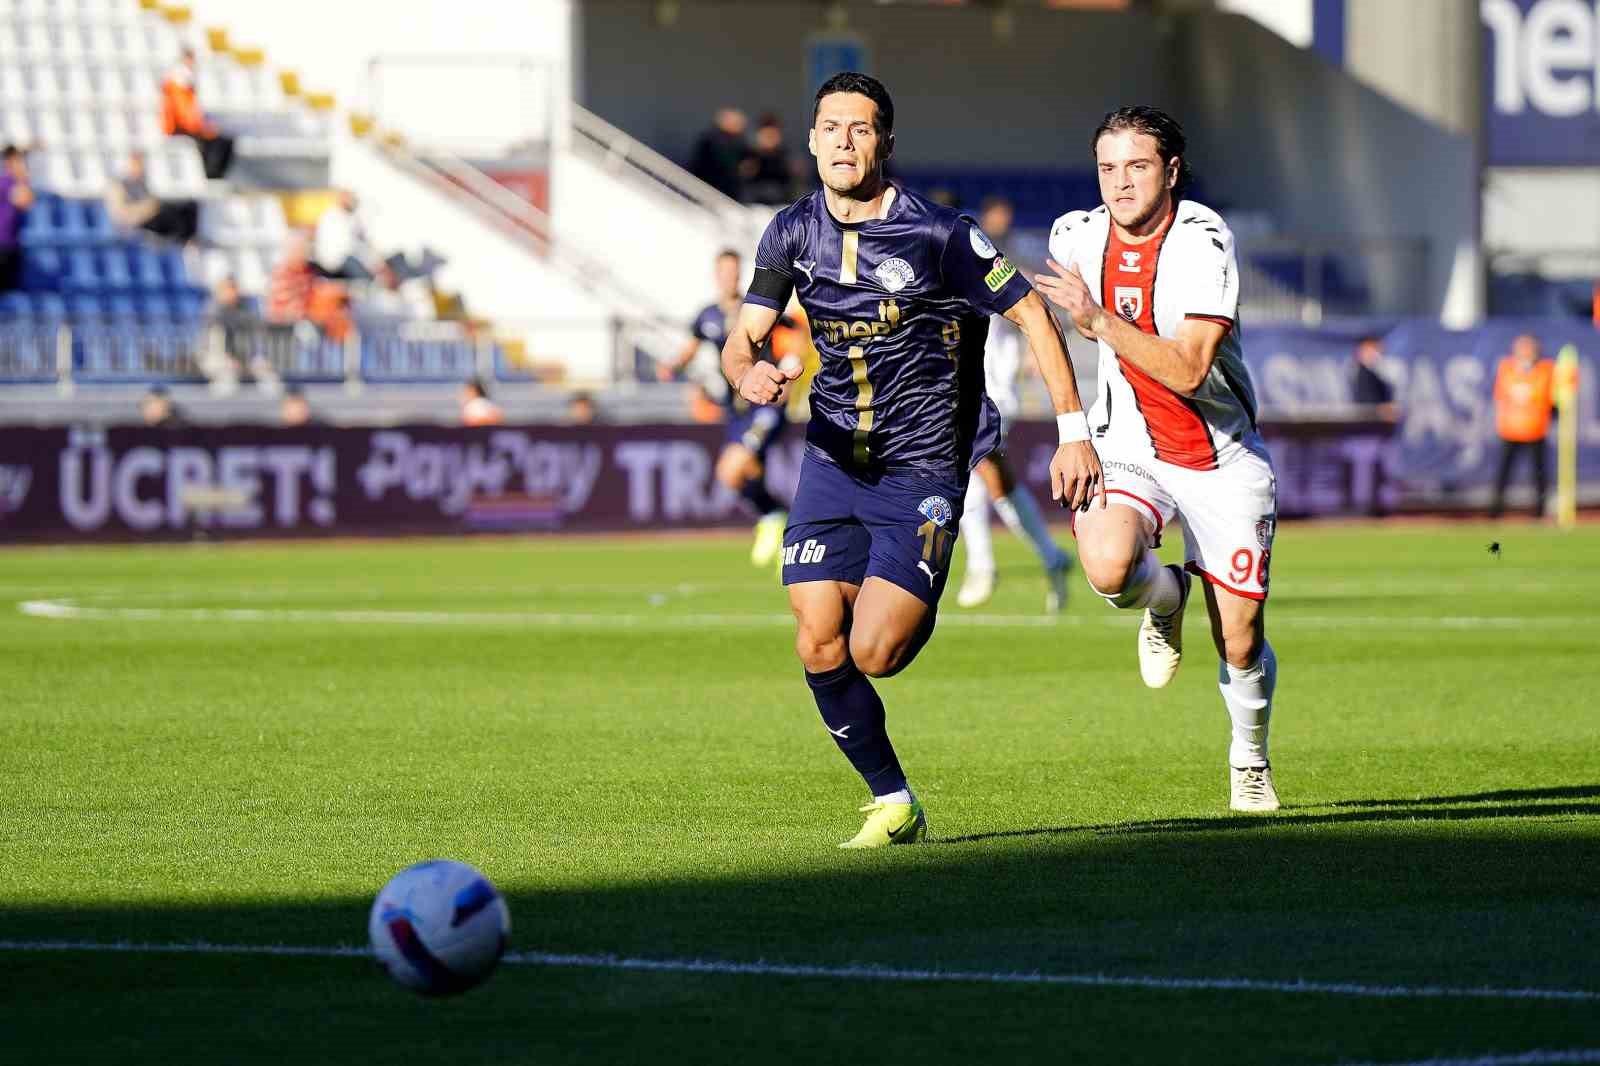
x: 751, y: 430
x: 899, y: 292
x: 994, y: 477
x: 1176, y: 422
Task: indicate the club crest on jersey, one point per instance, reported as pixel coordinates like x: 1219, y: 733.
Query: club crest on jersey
x: 982, y: 247
x: 937, y: 509
x: 1130, y: 263
x: 895, y: 274
x: 1265, y: 527
x: 1130, y: 301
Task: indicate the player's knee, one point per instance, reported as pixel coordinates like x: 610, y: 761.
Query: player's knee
x: 820, y: 652
x: 1241, y: 647
x: 1108, y: 574
x: 876, y: 655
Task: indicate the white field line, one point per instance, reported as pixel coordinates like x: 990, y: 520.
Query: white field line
x: 1524, y: 1058
x: 70, y: 609
x: 850, y: 973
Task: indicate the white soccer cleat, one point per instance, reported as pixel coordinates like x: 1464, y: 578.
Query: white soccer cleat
x: 1161, y: 640
x: 1055, y: 595
x: 976, y: 588
x: 1251, y: 789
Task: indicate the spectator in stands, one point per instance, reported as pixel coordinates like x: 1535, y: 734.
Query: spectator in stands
x: 16, y: 199
x: 1369, y: 387
x: 239, y: 346
x: 581, y: 410
x: 158, y: 411
x: 289, y: 289
x: 181, y: 116
x: 131, y: 206
x: 476, y: 407
x: 768, y: 172
x: 392, y: 300
x: 294, y: 409
x: 995, y: 218
x: 1524, y: 398
x: 341, y: 251
x: 719, y: 152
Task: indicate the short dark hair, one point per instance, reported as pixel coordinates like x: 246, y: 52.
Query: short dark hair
x: 477, y: 386
x: 729, y: 253
x: 10, y: 153
x: 850, y: 81
x: 1153, y: 122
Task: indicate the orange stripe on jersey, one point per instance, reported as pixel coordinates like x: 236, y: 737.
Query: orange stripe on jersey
x: 1178, y: 432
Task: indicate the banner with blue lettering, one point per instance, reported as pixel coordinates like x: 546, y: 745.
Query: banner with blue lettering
x: 1443, y: 450
x: 1541, y: 62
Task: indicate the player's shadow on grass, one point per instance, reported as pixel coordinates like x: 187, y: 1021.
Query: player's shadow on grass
x: 1506, y: 803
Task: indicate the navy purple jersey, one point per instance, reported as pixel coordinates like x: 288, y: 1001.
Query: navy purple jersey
x: 712, y: 325
x: 899, y: 310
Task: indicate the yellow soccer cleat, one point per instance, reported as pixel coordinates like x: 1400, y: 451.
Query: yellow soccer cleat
x: 769, y: 539
x: 890, y: 823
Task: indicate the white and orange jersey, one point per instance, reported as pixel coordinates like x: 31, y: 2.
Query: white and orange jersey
x: 1187, y: 270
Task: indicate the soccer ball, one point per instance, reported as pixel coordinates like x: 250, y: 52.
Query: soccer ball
x: 439, y: 927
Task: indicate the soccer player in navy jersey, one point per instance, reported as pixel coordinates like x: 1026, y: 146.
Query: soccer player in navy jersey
x: 898, y: 291
x: 750, y: 431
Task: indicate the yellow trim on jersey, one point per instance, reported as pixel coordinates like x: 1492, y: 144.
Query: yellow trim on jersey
x: 847, y: 258
x: 858, y: 373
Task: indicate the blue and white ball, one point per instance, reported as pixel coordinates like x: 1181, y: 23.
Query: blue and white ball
x: 439, y: 927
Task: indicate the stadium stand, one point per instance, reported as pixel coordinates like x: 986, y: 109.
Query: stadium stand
x: 80, y: 89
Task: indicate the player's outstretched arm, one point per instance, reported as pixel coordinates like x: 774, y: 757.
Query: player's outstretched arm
x: 1075, y: 474
x: 1180, y: 363
x: 756, y: 380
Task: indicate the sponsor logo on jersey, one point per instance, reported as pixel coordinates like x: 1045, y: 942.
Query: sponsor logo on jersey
x: 1264, y: 530
x: 895, y: 274
x: 937, y: 510
x: 1130, y: 263
x: 836, y: 331
x: 1130, y: 301
x: 981, y: 245
x: 1003, y: 272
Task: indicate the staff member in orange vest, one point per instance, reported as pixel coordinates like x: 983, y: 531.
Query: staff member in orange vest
x: 181, y: 116
x: 1523, y: 402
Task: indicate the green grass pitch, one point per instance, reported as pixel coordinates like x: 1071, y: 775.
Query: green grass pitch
x: 239, y: 744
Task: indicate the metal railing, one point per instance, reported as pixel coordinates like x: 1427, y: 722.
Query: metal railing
x: 741, y: 224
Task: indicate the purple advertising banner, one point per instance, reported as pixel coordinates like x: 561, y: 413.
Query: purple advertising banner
x: 135, y: 483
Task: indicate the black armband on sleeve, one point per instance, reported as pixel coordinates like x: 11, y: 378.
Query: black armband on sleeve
x: 770, y: 288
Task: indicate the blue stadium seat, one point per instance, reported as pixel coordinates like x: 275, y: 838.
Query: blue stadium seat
x: 190, y: 303
x: 83, y: 271
x: 42, y: 268
x: 155, y: 307
x: 147, y: 272
x: 49, y: 306
x: 114, y: 268
x: 14, y: 305
x: 85, y: 305
x: 121, y: 306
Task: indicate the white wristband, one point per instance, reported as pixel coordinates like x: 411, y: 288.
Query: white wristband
x: 1073, y: 427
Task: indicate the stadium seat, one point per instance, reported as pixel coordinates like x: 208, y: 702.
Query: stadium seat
x: 42, y: 269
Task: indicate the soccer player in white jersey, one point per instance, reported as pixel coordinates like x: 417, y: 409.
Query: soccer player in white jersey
x: 993, y: 478
x: 1152, y: 276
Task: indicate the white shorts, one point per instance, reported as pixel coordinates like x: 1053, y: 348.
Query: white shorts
x: 1229, y: 515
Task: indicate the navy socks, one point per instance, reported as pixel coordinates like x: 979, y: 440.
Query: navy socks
x: 854, y: 715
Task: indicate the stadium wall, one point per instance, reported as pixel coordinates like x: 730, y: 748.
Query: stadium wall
x: 1285, y: 133
x: 1023, y: 96
x: 130, y: 483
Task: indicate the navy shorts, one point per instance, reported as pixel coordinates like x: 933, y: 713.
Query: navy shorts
x: 848, y: 527
x: 757, y: 429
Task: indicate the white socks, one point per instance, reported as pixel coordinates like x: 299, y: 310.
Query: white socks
x: 1248, y: 696
x: 903, y: 796
x: 1150, y: 585
x: 975, y: 527
x: 1020, y: 512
